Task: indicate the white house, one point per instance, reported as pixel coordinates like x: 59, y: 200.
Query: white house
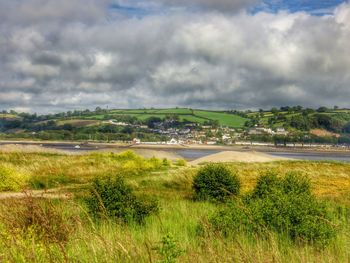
x: 136, y: 141
x: 260, y: 131
x: 281, y: 131
x: 173, y: 141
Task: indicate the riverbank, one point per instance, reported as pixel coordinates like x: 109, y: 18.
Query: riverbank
x: 258, y: 148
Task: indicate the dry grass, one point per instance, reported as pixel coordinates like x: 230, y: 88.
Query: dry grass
x: 106, y: 241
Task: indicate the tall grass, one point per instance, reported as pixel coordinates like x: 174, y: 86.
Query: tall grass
x: 105, y: 240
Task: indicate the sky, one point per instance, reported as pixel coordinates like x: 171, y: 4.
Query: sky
x: 224, y: 54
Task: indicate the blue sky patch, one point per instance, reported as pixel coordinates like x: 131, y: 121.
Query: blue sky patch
x: 317, y: 7
x: 141, y: 8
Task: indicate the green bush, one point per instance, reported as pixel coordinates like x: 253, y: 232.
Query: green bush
x: 180, y: 162
x: 11, y: 180
x: 169, y: 250
x: 215, y: 182
x: 284, y: 205
x: 111, y: 197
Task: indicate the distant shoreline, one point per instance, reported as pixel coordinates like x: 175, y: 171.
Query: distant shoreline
x: 185, y: 147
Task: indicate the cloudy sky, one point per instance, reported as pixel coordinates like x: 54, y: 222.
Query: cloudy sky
x: 220, y: 54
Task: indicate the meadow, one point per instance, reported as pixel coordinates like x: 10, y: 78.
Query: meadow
x: 63, y: 230
x: 196, y: 116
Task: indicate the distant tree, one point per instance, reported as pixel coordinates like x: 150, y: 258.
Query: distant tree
x: 346, y: 128
x: 152, y: 121
x: 274, y: 111
x: 308, y: 111
x: 322, y: 109
x: 297, y: 108
x: 285, y: 108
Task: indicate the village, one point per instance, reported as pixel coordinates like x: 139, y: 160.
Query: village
x: 194, y: 133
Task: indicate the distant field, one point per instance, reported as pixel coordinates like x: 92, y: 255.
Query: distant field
x: 196, y: 116
x: 78, y: 122
x: 8, y: 116
x: 225, y: 119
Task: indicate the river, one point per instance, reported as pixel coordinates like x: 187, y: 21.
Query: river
x: 192, y: 154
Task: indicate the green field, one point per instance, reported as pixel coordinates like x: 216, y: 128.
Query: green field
x: 197, y: 116
x: 225, y: 119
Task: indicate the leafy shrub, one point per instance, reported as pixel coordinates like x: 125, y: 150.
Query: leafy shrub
x: 10, y: 179
x: 111, y: 197
x: 215, y: 182
x: 180, y: 162
x: 132, y: 164
x: 168, y: 249
x: 127, y: 155
x: 166, y: 162
x: 284, y: 205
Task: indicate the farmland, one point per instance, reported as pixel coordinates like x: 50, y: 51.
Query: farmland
x: 196, y: 116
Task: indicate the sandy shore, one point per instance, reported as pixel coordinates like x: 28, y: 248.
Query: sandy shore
x: 232, y: 156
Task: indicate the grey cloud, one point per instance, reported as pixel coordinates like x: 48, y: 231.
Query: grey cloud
x: 22, y: 12
x: 184, y: 59
x: 221, y: 5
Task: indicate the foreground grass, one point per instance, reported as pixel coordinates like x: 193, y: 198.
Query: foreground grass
x: 107, y: 241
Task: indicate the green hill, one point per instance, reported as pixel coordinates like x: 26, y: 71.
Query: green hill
x: 189, y: 115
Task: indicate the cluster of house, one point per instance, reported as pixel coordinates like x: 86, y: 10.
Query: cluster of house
x: 191, y: 135
x: 267, y: 131
x: 200, y: 134
x: 124, y: 124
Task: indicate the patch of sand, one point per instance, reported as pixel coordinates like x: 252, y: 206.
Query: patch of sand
x: 234, y: 156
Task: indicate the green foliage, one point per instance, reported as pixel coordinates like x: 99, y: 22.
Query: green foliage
x: 168, y: 249
x: 39, y: 219
x: 166, y: 162
x: 51, y: 181
x: 112, y: 198
x: 132, y: 164
x: 215, y: 182
x: 180, y: 162
x: 10, y: 179
x: 284, y: 205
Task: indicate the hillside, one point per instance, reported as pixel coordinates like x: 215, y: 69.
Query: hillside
x: 185, y: 115
x: 300, y: 125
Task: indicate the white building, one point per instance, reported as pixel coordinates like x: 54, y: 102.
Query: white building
x: 259, y: 131
x: 281, y: 131
x: 173, y: 141
x: 136, y: 141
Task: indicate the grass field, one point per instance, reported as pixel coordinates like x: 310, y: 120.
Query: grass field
x: 196, y: 116
x: 180, y: 216
x: 8, y: 116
